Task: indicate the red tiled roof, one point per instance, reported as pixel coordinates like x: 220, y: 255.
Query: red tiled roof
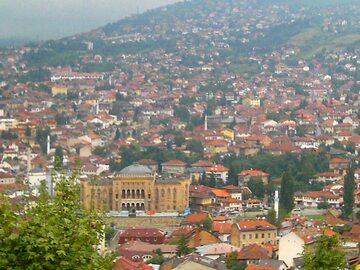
x: 231, y: 200
x: 202, y: 163
x: 140, y: 232
x: 195, y: 218
x: 253, y: 252
x: 321, y: 194
x: 220, y: 193
x: 328, y: 174
x: 329, y: 232
x: 199, y: 189
x: 222, y: 228
x: 126, y: 264
x: 217, y: 168
x: 174, y: 163
x: 147, y: 162
x: 254, y: 173
x: 258, y: 267
x: 249, y: 225
x: 216, y: 142
x: 220, y: 218
x: 231, y: 187
x: 339, y: 160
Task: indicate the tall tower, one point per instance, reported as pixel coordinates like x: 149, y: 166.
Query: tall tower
x: 97, y: 107
x: 206, y: 122
x: 48, y: 145
x: 276, y: 203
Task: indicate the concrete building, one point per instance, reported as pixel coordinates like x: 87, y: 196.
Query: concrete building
x: 136, y: 187
x: 248, y: 232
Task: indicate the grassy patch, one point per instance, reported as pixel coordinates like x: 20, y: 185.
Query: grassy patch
x: 313, y: 40
x: 305, y: 36
x: 319, y: 217
x: 250, y: 69
x: 347, y: 39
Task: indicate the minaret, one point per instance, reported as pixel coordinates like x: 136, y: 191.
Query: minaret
x: 48, y: 145
x: 206, y: 122
x: 97, y: 107
x: 276, y: 203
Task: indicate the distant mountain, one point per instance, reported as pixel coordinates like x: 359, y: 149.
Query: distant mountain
x: 238, y: 29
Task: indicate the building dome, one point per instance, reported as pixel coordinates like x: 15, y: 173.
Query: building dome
x: 135, y: 169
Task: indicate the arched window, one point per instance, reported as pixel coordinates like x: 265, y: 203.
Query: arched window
x: 142, y: 194
x: 133, y: 193
x: 169, y: 193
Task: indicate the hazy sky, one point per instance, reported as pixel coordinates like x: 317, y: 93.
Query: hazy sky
x: 47, y: 19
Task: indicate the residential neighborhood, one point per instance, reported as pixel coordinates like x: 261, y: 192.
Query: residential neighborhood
x: 208, y: 134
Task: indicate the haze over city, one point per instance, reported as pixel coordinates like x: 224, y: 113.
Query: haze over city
x: 43, y: 19
x: 180, y: 134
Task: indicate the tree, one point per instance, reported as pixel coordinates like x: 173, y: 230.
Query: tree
x: 61, y: 119
x: 256, y: 185
x: 232, y: 263
x: 207, y: 224
x: 117, y: 134
x: 182, y: 112
x: 59, y: 158
x: 351, y: 147
x: 287, y: 191
x: 327, y: 254
x: 182, y: 247
x: 239, y: 266
x: 28, y: 132
x: 349, y: 188
x: 196, y: 147
x: 271, y: 216
x: 231, y: 259
x: 101, y: 151
x: 301, y: 130
x: 179, y: 140
x: 158, y: 258
x: 337, y: 145
x: 212, y: 181
x: 56, y: 233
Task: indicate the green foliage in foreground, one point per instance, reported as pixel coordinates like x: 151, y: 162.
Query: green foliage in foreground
x: 326, y: 255
x: 53, y: 233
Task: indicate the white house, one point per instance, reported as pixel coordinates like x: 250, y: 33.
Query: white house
x: 292, y: 245
x: 313, y: 198
x: 36, y: 176
x: 219, y: 172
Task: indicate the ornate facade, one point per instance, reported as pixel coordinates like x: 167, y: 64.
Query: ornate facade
x: 136, y: 187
